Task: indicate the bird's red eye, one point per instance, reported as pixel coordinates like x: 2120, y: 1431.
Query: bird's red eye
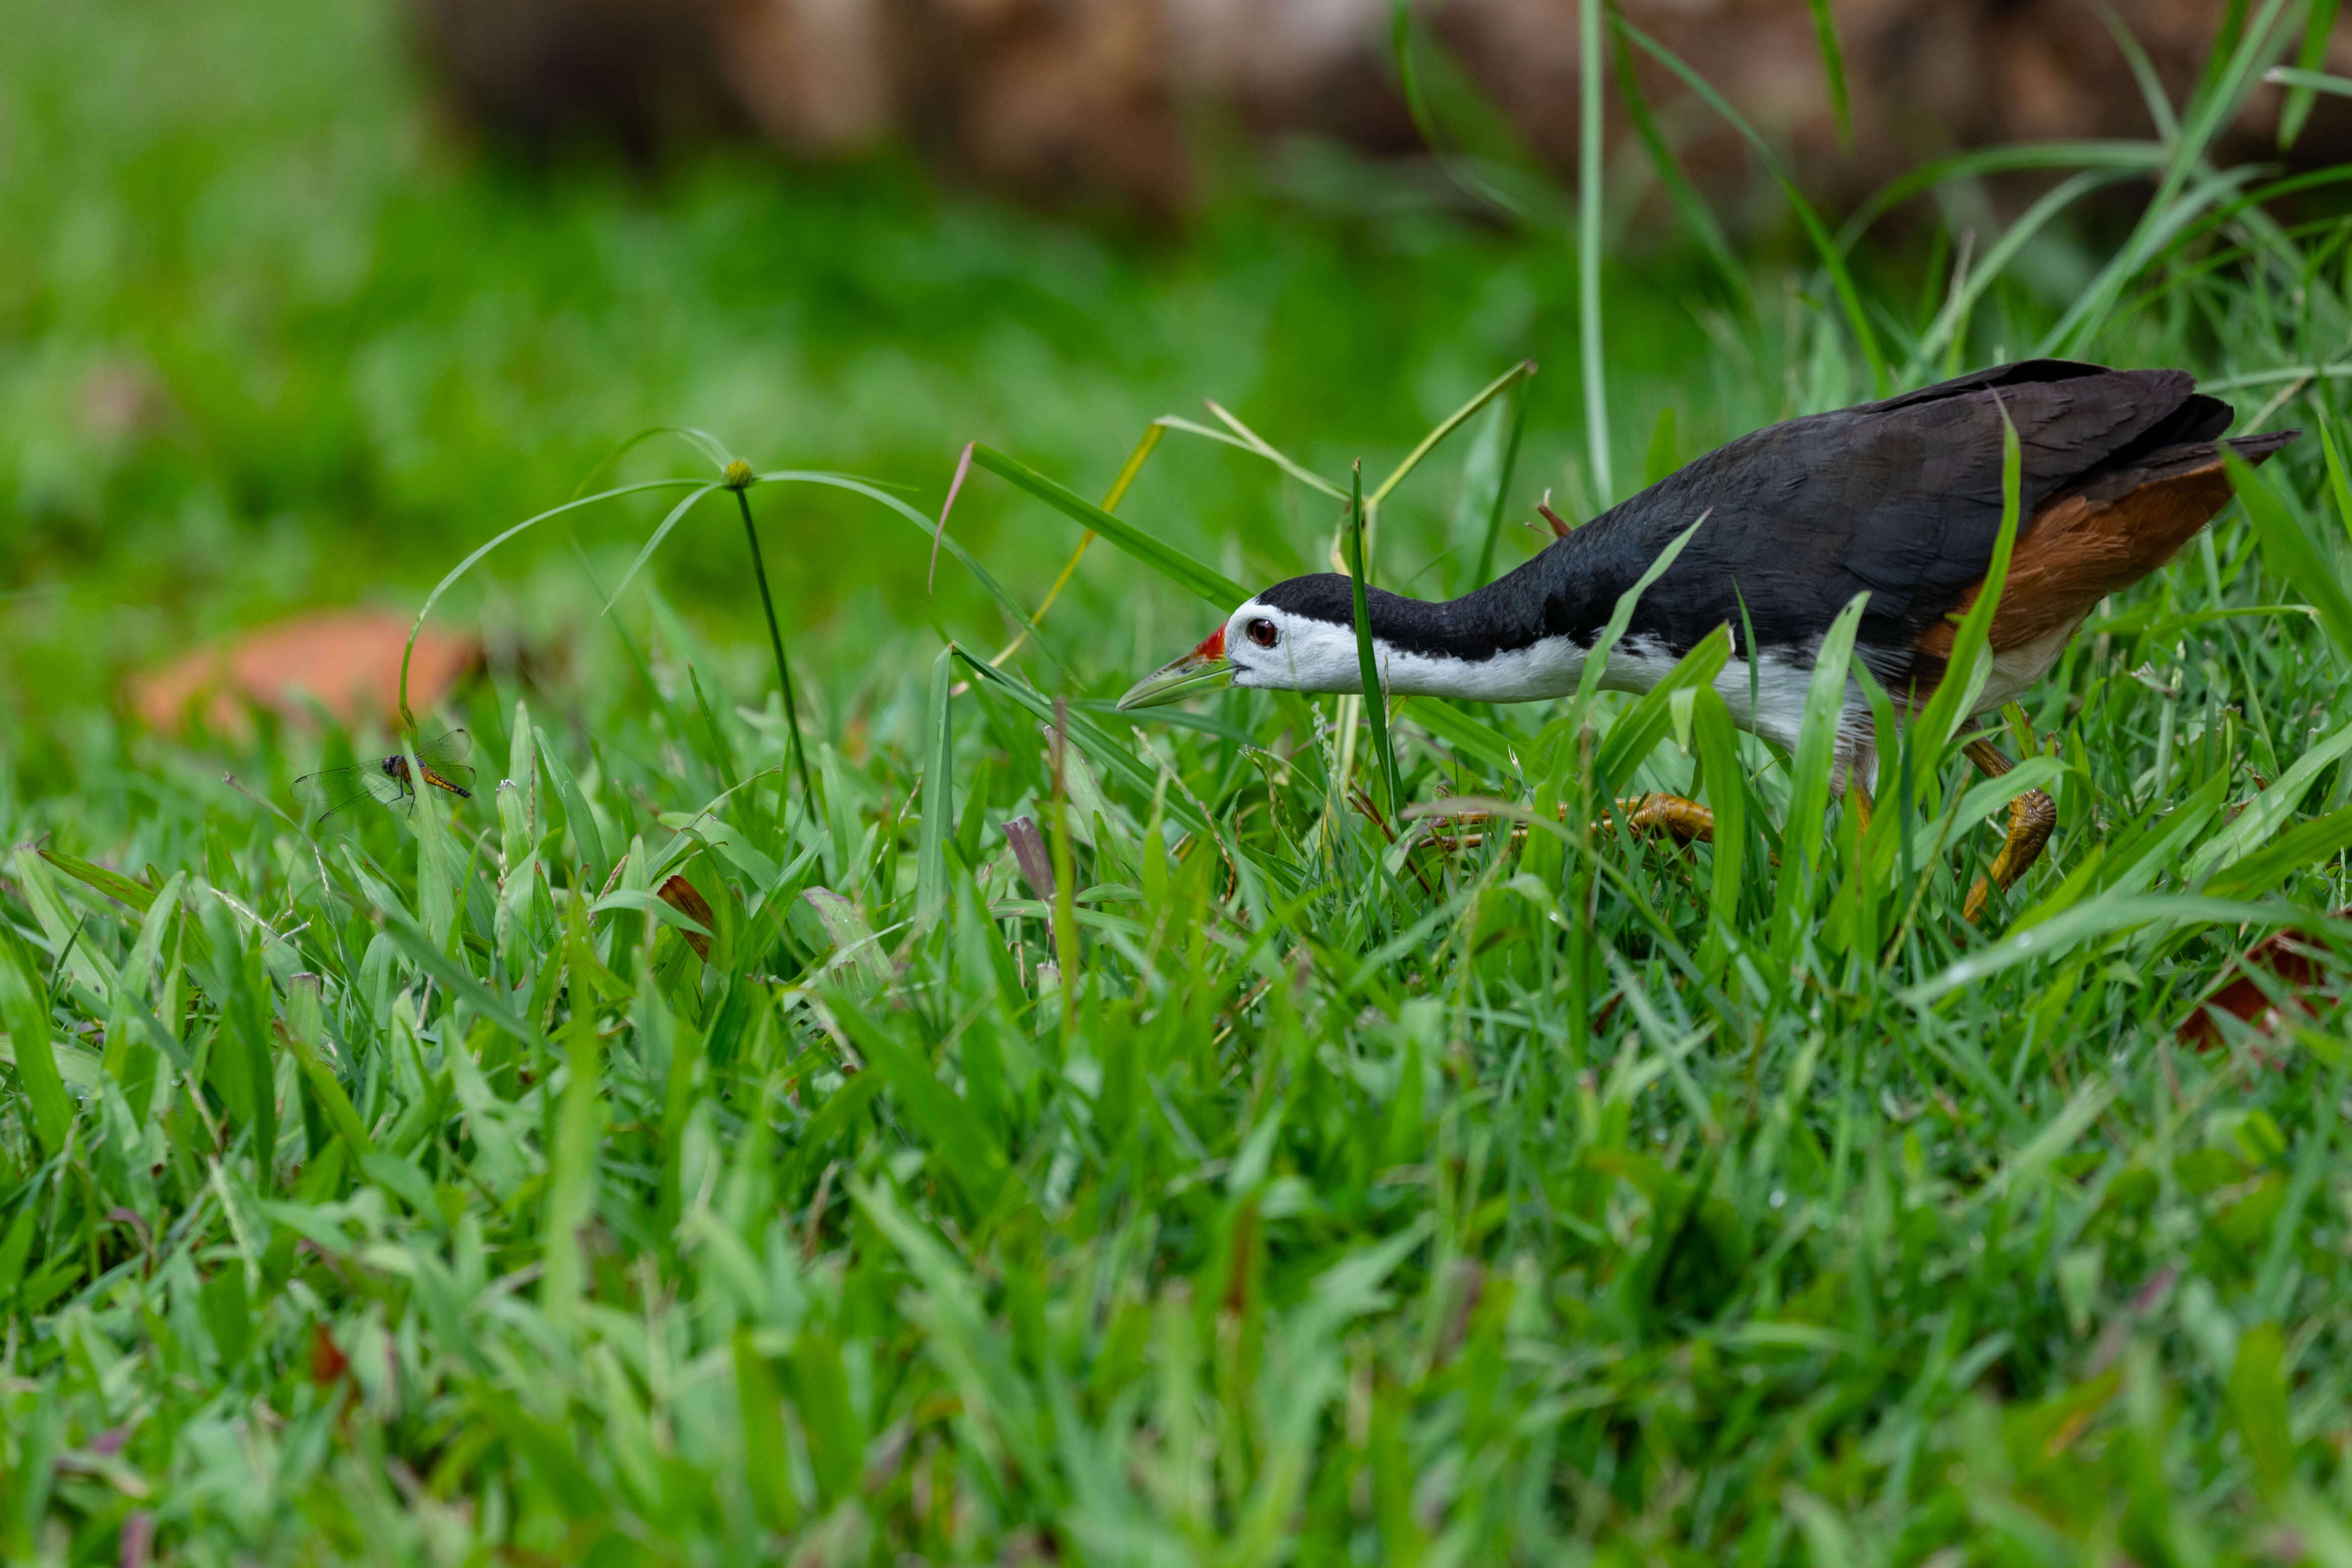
x: 1262, y: 633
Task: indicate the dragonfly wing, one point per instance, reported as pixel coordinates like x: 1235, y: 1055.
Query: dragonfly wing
x: 446, y: 750
x: 338, y: 794
x: 446, y: 754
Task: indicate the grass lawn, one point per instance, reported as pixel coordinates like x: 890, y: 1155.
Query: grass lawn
x: 990, y: 1130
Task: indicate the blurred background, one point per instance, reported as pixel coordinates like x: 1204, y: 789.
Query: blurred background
x: 298, y: 303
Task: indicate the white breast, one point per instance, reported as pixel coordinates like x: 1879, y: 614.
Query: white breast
x: 2016, y: 671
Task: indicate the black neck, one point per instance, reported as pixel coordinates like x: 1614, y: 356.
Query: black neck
x: 1568, y: 591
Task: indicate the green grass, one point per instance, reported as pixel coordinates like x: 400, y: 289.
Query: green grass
x: 1218, y: 1182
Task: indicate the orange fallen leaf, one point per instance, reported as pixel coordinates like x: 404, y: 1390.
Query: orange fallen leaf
x: 681, y: 896
x: 328, y: 1362
x: 2290, y: 956
x: 346, y: 661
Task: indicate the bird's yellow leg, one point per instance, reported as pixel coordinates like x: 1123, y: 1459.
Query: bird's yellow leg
x: 1692, y: 823
x: 1686, y: 820
x: 2032, y: 817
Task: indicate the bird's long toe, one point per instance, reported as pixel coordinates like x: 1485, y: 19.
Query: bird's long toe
x: 2032, y: 816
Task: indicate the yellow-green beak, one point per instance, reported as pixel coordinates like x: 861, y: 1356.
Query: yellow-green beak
x: 1204, y: 669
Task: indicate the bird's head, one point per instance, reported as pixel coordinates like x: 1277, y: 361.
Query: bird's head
x: 1298, y: 636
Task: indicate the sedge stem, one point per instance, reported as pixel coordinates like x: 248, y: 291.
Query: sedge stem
x: 776, y: 641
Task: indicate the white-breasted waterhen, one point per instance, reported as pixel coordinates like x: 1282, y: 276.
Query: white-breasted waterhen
x: 1900, y: 499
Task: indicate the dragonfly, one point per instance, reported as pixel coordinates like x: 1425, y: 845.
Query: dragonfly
x: 340, y: 795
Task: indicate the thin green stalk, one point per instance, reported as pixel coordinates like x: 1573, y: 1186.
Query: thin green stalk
x: 1588, y: 256
x: 1498, y: 387
x: 741, y: 485
x: 1518, y: 417
x: 1376, y: 702
x: 1824, y: 243
x: 1066, y: 877
x: 1833, y: 68
x: 1677, y: 187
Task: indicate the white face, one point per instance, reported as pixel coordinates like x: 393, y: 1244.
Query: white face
x: 1273, y: 649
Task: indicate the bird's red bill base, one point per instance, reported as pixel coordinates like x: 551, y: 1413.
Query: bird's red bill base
x: 1205, y: 668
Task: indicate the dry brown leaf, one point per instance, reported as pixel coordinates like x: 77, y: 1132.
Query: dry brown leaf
x: 2290, y: 956
x: 346, y: 661
x: 328, y: 1362
x: 683, y: 896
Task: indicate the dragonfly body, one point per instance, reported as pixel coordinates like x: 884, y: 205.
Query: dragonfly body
x: 396, y: 768
x: 343, y: 795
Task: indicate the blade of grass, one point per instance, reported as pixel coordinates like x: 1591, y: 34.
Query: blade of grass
x: 1951, y: 323
x: 1248, y: 440
x: 1809, y: 780
x: 2290, y: 552
x: 1964, y: 670
x: 2152, y: 91
x: 955, y: 485
x: 454, y: 976
x: 1445, y: 427
x: 938, y: 799
x: 25, y: 1009
x: 1589, y: 149
x: 2161, y: 227
x: 1067, y: 952
x: 2305, y: 79
x: 2228, y: 77
x: 2339, y: 482
x: 1640, y: 728
x: 436, y: 870
x: 1459, y: 730
x: 1457, y: 168
x: 1833, y: 68
x: 2119, y: 157
x: 1164, y: 559
x: 1376, y: 702
x: 2268, y: 811
x: 654, y: 540
x: 112, y: 883
x: 1596, y: 661
x: 1111, y: 498
x: 1517, y: 415
x: 1099, y: 749
x: 1825, y: 245
x: 456, y: 573
x: 974, y: 1161
x: 1687, y: 202
x: 1718, y: 744
x: 2260, y: 870
x: 571, y: 1170
x: 2102, y: 916
x: 932, y: 532
x: 702, y: 441
x: 585, y: 836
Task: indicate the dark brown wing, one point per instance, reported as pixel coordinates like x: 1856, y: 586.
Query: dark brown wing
x: 1901, y: 499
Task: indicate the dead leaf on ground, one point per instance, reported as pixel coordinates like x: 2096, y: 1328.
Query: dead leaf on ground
x: 346, y: 661
x: 328, y: 1362
x: 683, y: 896
x: 2297, y: 963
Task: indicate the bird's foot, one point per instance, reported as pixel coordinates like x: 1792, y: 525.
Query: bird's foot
x: 1686, y: 820
x: 2031, y: 818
